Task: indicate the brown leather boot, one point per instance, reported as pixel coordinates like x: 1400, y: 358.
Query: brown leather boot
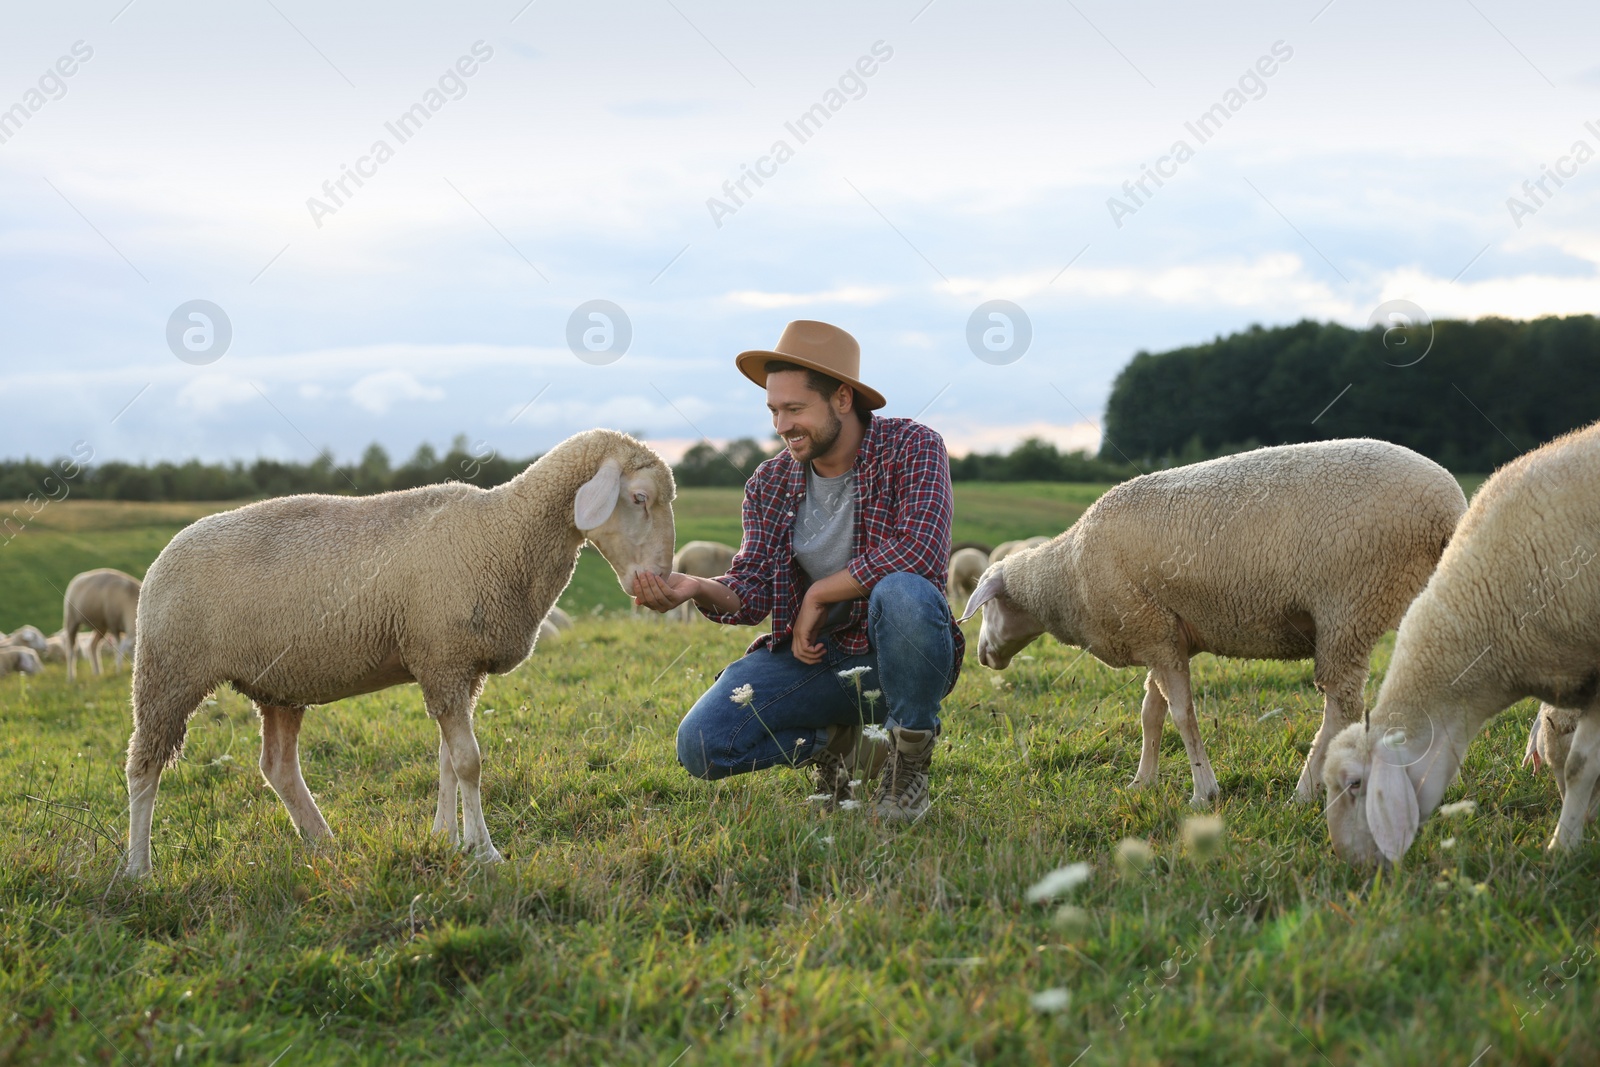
x: 903, y: 790
x: 851, y: 755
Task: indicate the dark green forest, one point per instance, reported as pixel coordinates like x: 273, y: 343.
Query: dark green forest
x: 1484, y: 392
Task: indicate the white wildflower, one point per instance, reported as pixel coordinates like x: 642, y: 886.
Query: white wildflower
x: 1202, y: 834
x: 849, y: 805
x: 1448, y: 843
x: 1050, y: 1000
x: 850, y: 674
x: 1071, y: 919
x: 872, y: 695
x: 1134, y: 855
x: 1460, y: 807
x: 875, y: 732
x: 1059, y: 881
x: 744, y: 694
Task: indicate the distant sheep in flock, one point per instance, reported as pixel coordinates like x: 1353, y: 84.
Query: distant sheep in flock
x: 28, y: 637
x: 105, y: 602
x: 703, y: 559
x: 966, y: 569
x: 305, y: 600
x: 1310, y: 550
x: 1005, y: 548
x: 18, y: 659
x: 1513, y: 611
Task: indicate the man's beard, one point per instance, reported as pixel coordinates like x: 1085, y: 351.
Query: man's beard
x: 820, y: 443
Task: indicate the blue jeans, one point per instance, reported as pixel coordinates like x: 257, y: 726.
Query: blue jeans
x: 794, y: 703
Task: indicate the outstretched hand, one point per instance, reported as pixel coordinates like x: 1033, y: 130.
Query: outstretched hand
x: 662, y: 595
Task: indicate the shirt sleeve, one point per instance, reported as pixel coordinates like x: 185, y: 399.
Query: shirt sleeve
x: 924, y: 504
x: 751, y: 573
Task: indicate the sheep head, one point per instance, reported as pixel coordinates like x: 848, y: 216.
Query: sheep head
x: 1372, y: 811
x: 625, y: 510
x: 1549, y: 742
x: 1007, y: 627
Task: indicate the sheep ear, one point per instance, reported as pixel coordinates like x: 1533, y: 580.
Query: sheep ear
x: 992, y: 585
x: 1530, y: 756
x: 1391, y: 808
x: 597, y: 498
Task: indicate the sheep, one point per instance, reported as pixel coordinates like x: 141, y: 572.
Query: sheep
x: 105, y: 601
x: 1005, y: 548
x: 559, y: 619
x: 1309, y: 550
x: 304, y: 600
x: 1513, y: 611
x: 18, y: 659
x: 28, y: 637
x: 703, y: 559
x: 966, y: 568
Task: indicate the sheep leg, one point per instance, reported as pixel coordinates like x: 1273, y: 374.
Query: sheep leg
x: 1341, y: 706
x: 1153, y: 718
x: 95, y: 648
x: 160, y: 722
x: 1583, y: 767
x: 444, y: 816
x: 1181, y: 703
x: 70, y: 630
x: 280, y: 766
x: 454, y: 715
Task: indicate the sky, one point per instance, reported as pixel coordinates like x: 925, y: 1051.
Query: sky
x: 559, y: 153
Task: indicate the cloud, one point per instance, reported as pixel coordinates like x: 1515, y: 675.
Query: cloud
x: 1274, y: 280
x: 849, y: 294
x: 377, y: 392
x: 1520, y: 296
x: 213, y: 392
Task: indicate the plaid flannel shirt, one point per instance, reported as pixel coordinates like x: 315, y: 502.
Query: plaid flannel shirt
x: 903, y: 510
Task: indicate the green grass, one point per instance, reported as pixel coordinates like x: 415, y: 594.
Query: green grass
x: 646, y: 918
x: 641, y: 914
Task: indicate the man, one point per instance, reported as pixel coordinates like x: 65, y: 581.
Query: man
x: 846, y: 542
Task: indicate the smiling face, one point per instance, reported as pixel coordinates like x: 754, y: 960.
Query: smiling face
x: 808, y: 422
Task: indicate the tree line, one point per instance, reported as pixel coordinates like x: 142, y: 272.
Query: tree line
x: 702, y: 465
x: 1469, y: 395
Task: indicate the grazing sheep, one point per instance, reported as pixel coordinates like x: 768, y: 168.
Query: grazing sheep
x: 304, y: 600
x: 1513, y: 611
x: 105, y: 601
x: 1005, y: 548
x: 703, y: 559
x: 18, y: 659
x: 966, y: 569
x: 1295, y: 552
x: 28, y: 637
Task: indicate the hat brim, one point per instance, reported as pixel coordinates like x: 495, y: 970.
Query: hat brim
x: 752, y: 365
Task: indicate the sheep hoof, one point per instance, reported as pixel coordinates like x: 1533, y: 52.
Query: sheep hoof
x: 1560, y: 843
x: 1201, y: 802
x: 1141, y: 783
x: 135, y: 874
x: 488, y: 854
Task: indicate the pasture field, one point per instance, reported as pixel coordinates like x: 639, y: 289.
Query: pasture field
x: 643, y: 917
x: 73, y: 536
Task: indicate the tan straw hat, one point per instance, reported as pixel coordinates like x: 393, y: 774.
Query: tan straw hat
x: 819, y: 346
